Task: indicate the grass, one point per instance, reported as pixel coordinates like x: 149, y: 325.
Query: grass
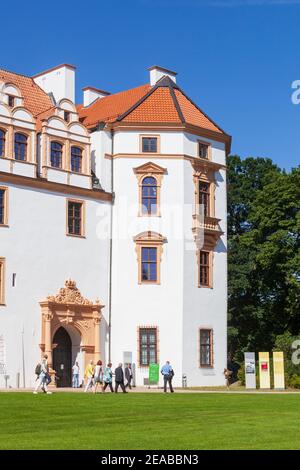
x: 149, y: 421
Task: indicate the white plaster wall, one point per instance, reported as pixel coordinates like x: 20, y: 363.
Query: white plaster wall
x: 129, y: 142
x: 190, y: 147
x: 60, y: 82
x: 37, y: 249
x: 177, y: 306
x: 137, y: 305
x: 23, y: 169
x: 205, y: 307
x: 100, y: 145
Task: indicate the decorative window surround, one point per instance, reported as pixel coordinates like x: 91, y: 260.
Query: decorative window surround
x: 208, y: 225
x: 210, y: 255
x: 201, y: 144
x: 82, y: 218
x: 206, y: 343
x: 148, y: 328
x: 4, y: 207
x: 149, y: 240
x: 150, y: 136
x: 150, y: 170
x: 2, y: 281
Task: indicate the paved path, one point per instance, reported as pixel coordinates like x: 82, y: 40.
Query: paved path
x: 160, y: 390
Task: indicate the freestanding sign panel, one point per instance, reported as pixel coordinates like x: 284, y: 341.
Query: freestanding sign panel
x: 153, y: 373
x: 278, y: 367
x: 264, y: 369
x: 250, y: 370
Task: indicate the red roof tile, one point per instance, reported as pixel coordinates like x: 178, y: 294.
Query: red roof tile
x: 158, y: 107
x: 192, y: 115
x: 109, y: 108
x: 35, y: 99
x: 163, y: 103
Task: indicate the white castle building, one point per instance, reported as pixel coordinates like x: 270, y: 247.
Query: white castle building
x: 112, y: 229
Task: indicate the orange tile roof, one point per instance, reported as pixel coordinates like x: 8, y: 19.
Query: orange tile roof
x: 44, y: 115
x: 109, y: 108
x: 162, y: 103
x: 158, y: 107
x: 35, y: 99
x: 193, y: 115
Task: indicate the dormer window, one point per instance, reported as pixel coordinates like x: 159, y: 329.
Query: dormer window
x: 76, y: 159
x: 67, y: 116
x: 11, y: 101
x: 56, y: 155
x: 20, y: 146
x: 149, y: 144
x: 203, y: 150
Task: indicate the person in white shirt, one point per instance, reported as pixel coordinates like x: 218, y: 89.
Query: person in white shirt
x: 75, y: 369
x: 44, y: 377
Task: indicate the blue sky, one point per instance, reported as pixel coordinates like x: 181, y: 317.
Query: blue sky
x: 236, y: 59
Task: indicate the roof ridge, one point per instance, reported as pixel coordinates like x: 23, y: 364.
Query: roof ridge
x: 138, y: 103
x: 201, y: 111
x: 111, y: 95
x: 48, y: 109
x: 16, y: 73
x: 176, y: 104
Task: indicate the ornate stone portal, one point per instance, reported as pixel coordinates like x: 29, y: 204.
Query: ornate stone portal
x: 71, y: 310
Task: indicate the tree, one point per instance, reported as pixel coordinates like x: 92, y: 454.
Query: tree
x: 264, y: 253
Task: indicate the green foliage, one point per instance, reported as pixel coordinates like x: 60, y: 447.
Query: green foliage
x: 294, y: 381
x: 241, y: 374
x: 263, y: 254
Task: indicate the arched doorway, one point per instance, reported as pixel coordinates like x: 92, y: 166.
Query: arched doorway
x: 79, y: 319
x: 62, y: 357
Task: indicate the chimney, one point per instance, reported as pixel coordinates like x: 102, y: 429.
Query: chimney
x: 90, y: 94
x: 157, y: 72
x: 59, y: 80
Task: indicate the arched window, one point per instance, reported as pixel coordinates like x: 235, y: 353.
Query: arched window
x: 20, y: 146
x: 149, y: 195
x: 56, y: 155
x: 2, y: 143
x: 76, y: 159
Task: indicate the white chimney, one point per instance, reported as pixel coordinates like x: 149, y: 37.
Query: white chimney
x: 157, y: 72
x: 59, y: 80
x: 90, y: 94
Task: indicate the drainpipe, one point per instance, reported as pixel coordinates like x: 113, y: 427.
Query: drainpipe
x: 111, y: 244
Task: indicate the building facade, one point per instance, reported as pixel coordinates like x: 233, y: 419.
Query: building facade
x: 112, y: 229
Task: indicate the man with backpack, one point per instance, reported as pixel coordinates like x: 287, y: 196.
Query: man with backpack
x: 43, y: 376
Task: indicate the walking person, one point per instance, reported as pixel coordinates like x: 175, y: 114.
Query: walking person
x: 43, y: 376
x: 75, y: 381
x: 128, y: 376
x: 89, y: 375
x: 119, y: 379
x: 227, y: 373
x: 168, y: 374
x: 98, y: 375
x: 107, y: 378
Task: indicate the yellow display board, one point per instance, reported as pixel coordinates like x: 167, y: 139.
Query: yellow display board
x: 278, y: 367
x: 264, y: 369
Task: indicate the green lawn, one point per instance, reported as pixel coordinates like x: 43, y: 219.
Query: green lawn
x: 149, y: 421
